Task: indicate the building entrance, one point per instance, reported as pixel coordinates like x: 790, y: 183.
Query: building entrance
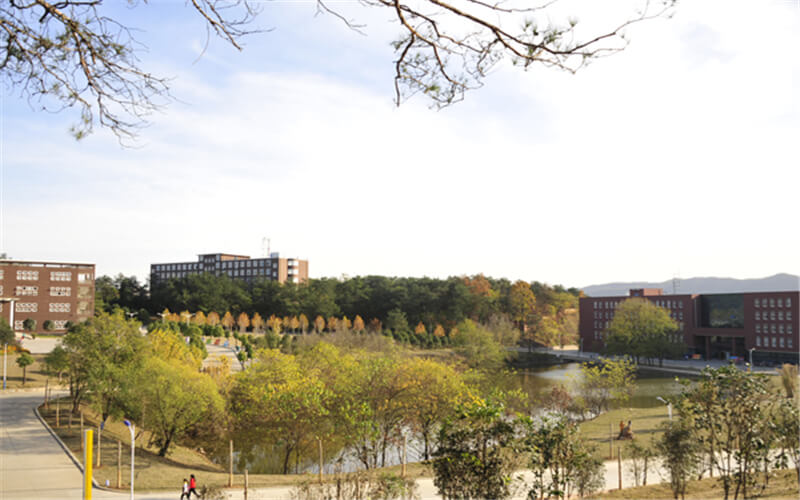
x: 717, y: 347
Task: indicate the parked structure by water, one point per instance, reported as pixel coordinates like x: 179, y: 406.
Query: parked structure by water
x: 764, y: 325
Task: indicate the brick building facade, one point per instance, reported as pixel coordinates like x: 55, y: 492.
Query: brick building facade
x: 712, y: 325
x: 57, y: 292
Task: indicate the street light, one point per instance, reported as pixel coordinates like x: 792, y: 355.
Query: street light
x: 750, y: 368
x: 669, y: 405
x: 131, y: 428
x: 5, y: 363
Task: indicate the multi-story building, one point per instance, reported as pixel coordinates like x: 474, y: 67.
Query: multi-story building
x: 58, y: 292
x: 274, y: 267
x: 712, y: 325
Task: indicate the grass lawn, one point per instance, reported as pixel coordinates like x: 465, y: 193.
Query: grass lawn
x: 36, y: 378
x: 782, y: 485
x: 154, y: 473
x: 645, y: 423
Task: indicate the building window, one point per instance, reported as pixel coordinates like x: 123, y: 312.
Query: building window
x: 21, y: 291
x: 789, y: 341
x: 788, y: 300
x: 60, y: 324
x: 60, y: 276
x: 780, y: 341
x: 680, y: 305
x: 18, y: 324
x: 780, y: 302
x: 758, y: 328
x: 758, y: 341
x: 2, y: 272
x: 758, y: 316
x: 772, y: 328
x: 84, y: 277
x: 27, y: 275
x: 780, y: 328
x: 60, y: 291
x: 780, y: 315
x: 1, y: 290
x: 774, y: 341
x: 788, y: 315
x: 26, y: 307
x: 772, y: 302
x: 59, y: 307
x: 758, y: 303
x: 772, y: 315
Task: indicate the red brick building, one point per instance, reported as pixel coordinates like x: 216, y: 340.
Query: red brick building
x: 57, y: 292
x: 712, y: 325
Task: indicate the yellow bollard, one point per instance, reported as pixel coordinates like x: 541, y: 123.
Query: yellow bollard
x: 87, y: 464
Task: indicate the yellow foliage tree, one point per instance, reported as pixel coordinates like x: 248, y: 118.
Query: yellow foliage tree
x: 257, y: 322
x: 199, y: 318
x: 303, y: 323
x: 333, y: 324
x: 243, y: 321
x: 345, y: 324
x: 227, y: 320
x: 212, y: 319
x: 186, y: 316
x: 170, y: 347
x: 294, y: 323
x: 420, y: 329
x: 319, y: 324
x: 275, y: 323
x: 358, y: 324
x: 439, y: 331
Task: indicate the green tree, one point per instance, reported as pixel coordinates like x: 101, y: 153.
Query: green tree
x: 643, y: 329
x: 679, y: 450
x: 57, y: 362
x: 728, y: 410
x: 479, y: 347
x: 7, y: 333
x: 103, y: 354
x: 397, y: 322
x: 600, y: 385
x: 29, y: 325
x: 23, y: 361
x: 476, y: 456
x: 560, y: 460
x: 48, y: 325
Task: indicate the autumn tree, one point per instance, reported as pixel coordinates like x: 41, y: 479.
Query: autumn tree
x: 275, y: 324
x: 345, y: 324
x: 420, y: 329
x: 243, y: 321
x: 358, y: 324
x: 185, y: 316
x: 521, y: 303
x: 439, y: 331
x: 212, y: 319
x: 375, y: 326
x: 258, y: 323
x: 333, y: 324
x: 199, y: 318
x: 73, y: 53
x: 227, y: 320
x: 303, y: 324
x: 294, y: 323
x: 319, y: 324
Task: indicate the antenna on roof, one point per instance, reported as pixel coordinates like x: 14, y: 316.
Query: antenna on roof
x: 676, y: 282
x: 265, y: 246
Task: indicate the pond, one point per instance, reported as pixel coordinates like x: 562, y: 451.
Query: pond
x: 535, y: 381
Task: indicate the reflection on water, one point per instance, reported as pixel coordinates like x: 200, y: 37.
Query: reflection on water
x: 649, y: 384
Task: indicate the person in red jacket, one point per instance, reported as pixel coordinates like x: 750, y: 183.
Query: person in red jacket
x: 192, y: 486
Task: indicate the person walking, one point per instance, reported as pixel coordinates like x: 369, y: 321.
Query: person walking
x: 192, y: 487
x: 185, y: 489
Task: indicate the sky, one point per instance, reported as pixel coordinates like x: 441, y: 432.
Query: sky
x: 675, y: 157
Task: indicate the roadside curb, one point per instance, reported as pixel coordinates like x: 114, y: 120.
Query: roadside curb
x: 69, y: 453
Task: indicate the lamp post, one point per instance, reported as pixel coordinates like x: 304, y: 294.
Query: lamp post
x: 669, y: 405
x: 5, y: 363
x: 131, y: 428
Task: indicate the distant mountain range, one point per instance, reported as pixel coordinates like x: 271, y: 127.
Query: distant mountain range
x: 777, y: 283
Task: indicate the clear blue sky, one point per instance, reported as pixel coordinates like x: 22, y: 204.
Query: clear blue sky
x: 678, y: 155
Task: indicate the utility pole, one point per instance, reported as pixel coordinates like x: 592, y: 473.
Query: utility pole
x: 5, y: 364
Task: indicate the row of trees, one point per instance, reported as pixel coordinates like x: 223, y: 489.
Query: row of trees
x: 548, y: 314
